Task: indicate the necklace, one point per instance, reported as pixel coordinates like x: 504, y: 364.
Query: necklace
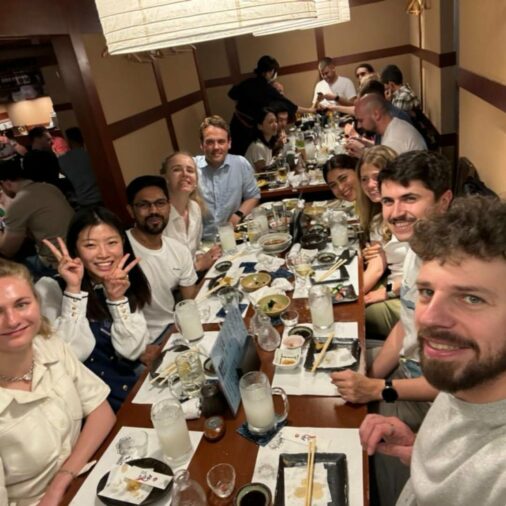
x: 12, y: 379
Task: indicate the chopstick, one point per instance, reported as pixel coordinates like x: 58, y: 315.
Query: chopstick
x: 328, y: 272
x: 310, y: 471
x: 164, y: 375
x: 235, y: 255
x: 322, y: 353
x: 215, y: 289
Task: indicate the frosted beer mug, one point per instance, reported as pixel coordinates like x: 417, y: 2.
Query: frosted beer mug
x: 188, y: 320
x: 170, y: 425
x: 256, y: 395
x: 227, y: 238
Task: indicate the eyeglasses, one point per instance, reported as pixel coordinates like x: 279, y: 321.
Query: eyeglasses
x: 145, y: 205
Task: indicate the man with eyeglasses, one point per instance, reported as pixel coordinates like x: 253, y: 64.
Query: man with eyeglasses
x: 166, y: 263
x: 227, y: 182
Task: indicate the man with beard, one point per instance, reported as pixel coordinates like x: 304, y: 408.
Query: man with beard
x: 458, y: 456
x: 374, y: 117
x: 227, y: 182
x: 166, y: 263
x: 413, y: 187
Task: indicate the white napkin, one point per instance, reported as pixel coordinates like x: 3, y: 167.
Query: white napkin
x: 282, y: 284
x: 191, y: 408
x: 269, y: 263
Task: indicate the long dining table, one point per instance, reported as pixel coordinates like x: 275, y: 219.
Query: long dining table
x: 305, y: 411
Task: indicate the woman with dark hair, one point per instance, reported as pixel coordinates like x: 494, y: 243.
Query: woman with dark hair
x: 97, y: 304
x: 339, y: 173
x: 251, y: 95
x: 259, y: 152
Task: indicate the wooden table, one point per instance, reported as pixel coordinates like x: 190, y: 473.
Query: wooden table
x: 305, y: 411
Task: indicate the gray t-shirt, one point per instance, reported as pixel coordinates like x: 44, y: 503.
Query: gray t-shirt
x: 459, y: 456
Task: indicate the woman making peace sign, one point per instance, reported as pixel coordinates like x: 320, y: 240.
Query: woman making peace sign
x: 97, y: 305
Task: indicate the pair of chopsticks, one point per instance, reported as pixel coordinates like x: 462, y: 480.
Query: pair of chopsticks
x: 322, y: 353
x: 164, y: 375
x: 328, y: 272
x: 215, y: 289
x: 310, y: 471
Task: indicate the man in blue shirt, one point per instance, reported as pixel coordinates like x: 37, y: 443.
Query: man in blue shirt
x: 227, y: 182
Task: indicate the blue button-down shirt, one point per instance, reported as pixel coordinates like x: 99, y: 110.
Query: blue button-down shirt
x: 224, y: 189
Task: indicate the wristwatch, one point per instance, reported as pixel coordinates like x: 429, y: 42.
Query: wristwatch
x: 389, y: 393
x: 390, y: 291
x: 240, y: 214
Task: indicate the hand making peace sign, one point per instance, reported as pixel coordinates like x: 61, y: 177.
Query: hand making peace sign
x: 116, y: 283
x: 70, y: 269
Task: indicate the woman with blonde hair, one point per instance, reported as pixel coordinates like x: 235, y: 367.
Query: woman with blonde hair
x: 186, y: 207
x: 45, y: 393
x: 385, y: 255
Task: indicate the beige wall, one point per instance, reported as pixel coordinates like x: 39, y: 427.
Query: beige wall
x: 482, y: 127
x: 186, y: 123
x: 141, y: 152
x: 124, y: 88
x: 179, y: 74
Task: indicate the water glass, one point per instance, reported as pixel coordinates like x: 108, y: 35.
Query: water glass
x: 256, y: 395
x: 221, y: 480
x: 255, y: 231
x: 228, y: 296
x: 187, y: 316
x: 227, y: 238
x: 320, y: 305
x: 170, y: 425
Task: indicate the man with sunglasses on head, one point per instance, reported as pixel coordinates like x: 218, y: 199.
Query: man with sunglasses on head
x: 166, y: 263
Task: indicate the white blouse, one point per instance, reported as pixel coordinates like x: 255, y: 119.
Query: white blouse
x: 67, y: 313
x: 176, y: 227
x: 38, y: 429
x: 257, y: 151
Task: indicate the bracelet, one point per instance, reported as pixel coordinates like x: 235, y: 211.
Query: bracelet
x: 67, y: 471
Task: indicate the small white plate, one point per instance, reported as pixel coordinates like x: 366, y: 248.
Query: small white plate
x: 285, y: 358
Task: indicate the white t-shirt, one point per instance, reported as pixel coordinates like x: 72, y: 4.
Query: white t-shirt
x: 342, y: 86
x: 257, y: 151
x: 402, y: 137
x: 409, y: 295
x: 166, y: 268
x: 176, y: 227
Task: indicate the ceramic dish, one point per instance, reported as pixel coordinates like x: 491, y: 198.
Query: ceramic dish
x: 222, y: 267
x: 274, y: 305
x: 155, y: 494
x: 285, y: 358
x: 346, y: 355
x: 343, y: 293
x: 302, y: 330
x: 326, y: 258
x: 314, y: 240
x: 275, y: 242
x: 314, y: 211
x: 254, y: 281
x: 337, y: 476
x: 292, y: 341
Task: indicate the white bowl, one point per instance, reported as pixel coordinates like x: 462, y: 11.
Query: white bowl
x: 275, y: 242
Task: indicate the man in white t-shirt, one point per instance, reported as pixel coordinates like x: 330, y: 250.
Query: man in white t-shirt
x: 413, y: 187
x: 458, y: 456
x: 332, y: 89
x: 373, y: 116
x: 167, y: 264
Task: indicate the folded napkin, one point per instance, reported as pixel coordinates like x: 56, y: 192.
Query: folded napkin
x: 191, y: 408
x: 269, y: 263
x: 281, y: 273
x: 282, y: 284
x: 221, y: 313
x: 248, y: 267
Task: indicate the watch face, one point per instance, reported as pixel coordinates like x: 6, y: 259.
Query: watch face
x: 389, y: 394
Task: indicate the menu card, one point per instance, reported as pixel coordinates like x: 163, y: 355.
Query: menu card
x: 227, y: 354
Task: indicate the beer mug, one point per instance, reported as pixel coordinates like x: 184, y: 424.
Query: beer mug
x: 187, y: 318
x: 256, y: 395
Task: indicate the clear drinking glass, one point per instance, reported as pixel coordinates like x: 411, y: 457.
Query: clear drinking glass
x: 339, y: 229
x: 187, y: 492
x: 320, y: 305
x: 187, y: 316
x: 268, y: 337
x: 227, y: 238
x: 221, y: 479
x: 190, y: 374
x: 301, y: 265
x: 254, y: 233
x: 170, y: 425
x: 133, y: 446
